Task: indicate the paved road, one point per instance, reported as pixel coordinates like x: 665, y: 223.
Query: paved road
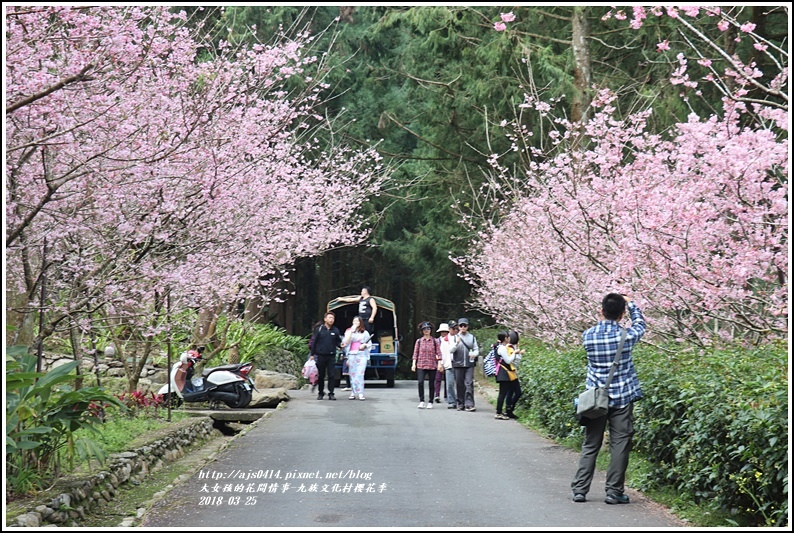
x: 384, y: 463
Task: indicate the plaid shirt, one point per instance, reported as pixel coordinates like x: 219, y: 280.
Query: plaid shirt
x: 427, y: 353
x: 601, y: 342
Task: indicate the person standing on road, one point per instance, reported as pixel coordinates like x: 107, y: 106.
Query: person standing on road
x: 464, y: 359
x: 357, y: 345
x: 514, y: 389
x: 449, y: 342
x: 505, y: 358
x: 427, y: 361
x: 601, y: 342
x: 443, y: 329
x: 322, y: 348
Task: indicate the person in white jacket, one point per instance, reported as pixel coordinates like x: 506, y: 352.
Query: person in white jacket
x: 449, y: 340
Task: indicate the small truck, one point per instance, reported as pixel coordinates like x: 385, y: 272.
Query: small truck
x: 386, y: 340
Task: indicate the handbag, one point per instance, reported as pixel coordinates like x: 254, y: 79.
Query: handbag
x: 593, y: 403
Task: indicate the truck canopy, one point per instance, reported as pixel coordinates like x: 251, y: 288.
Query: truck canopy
x: 385, y: 318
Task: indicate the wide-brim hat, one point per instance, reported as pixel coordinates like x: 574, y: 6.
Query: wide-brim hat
x: 442, y: 327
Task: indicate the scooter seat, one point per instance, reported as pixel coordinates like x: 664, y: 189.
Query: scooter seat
x: 207, y: 371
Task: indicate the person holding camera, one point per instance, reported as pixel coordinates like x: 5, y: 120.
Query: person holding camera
x: 601, y: 344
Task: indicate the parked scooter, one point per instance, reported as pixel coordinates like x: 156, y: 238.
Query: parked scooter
x: 229, y: 384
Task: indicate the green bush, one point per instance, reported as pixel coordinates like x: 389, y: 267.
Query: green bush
x: 271, y: 348
x: 550, y: 380
x: 43, y: 416
x: 713, y: 425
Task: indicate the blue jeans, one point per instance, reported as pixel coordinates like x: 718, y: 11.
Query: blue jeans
x: 449, y: 374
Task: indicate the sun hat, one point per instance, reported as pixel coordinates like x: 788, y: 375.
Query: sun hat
x: 443, y: 327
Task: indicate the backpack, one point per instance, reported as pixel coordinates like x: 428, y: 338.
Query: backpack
x: 490, y: 365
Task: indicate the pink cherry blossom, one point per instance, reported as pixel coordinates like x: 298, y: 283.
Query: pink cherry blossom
x: 695, y: 219
x: 747, y: 27
x: 146, y: 168
x: 508, y: 17
x: 664, y: 45
x: 499, y: 26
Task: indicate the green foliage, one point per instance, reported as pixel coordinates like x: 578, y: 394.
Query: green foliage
x: 270, y: 347
x: 550, y: 380
x: 711, y: 425
x: 43, y: 416
x: 120, y: 430
x: 719, y: 428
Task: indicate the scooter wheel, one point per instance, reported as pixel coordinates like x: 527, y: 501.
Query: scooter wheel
x: 172, y: 400
x: 243, y: 398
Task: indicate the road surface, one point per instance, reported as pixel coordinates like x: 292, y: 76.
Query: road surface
x: 384, y: 463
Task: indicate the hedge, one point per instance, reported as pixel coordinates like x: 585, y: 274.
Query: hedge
x: 713, y: 424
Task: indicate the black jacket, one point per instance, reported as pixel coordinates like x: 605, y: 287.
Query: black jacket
x: 325, y: 341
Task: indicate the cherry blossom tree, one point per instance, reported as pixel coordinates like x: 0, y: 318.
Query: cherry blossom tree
x: 692, y: 222
x: 151, y: 163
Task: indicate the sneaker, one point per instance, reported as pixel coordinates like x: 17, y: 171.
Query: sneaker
x: 438, y: 400
x: 352, y: 397
x: 616, y: 498
x: 421, y: 405
x: 500, y: 416
x: 470, y: 409
x: 361, y: 397
x: 459, y: 408
x: 320, y: 396
x: 331, y: 396
x: 429, y: 405
x: 347, y: 388
x: 578, y: 497
x: 511, y: 414
x: 451, y: 406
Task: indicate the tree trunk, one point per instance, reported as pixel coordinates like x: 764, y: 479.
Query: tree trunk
x: 582, y: 72
x: 75, y: 339
x: 206, y: 323
x: 234, y: 355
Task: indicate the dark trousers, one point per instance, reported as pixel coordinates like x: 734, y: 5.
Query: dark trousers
x: 421, y: 374
x: 621, y: 431
x: 440, y: 378
x: 509, y: 393
x: 369, y: 327
x: 464, y: 385
x: 513, y: 394
x: 325, y: 365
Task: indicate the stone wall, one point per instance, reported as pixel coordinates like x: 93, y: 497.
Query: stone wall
x: 77, y: 495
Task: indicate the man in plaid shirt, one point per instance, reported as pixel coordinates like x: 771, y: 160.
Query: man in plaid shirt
x: 601, y: 343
